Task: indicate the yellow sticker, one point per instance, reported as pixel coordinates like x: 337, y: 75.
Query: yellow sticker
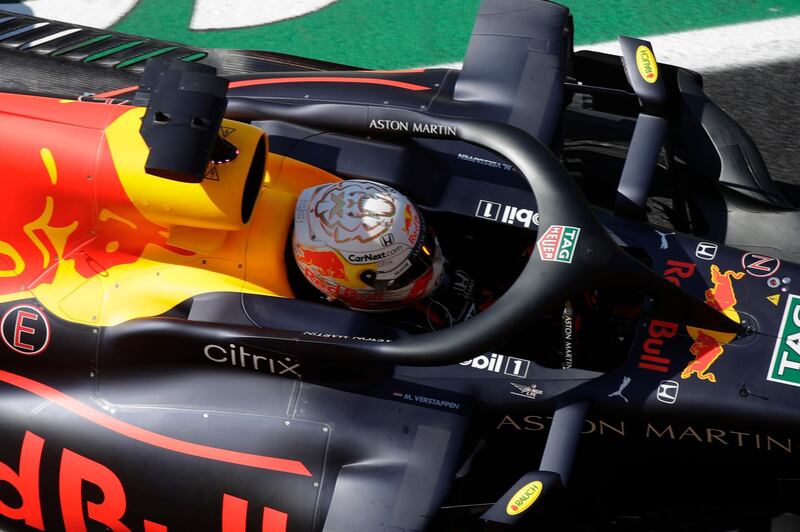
x: 524, y: 498
x: 774, y: 299
x: 646, y: 62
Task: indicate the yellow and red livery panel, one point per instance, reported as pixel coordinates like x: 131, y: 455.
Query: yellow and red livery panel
x: 98, y: 241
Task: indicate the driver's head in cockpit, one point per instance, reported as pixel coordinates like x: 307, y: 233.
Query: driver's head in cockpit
x: 366, y: 245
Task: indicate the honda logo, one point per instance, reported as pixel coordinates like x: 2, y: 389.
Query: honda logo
x: 668, y: 392
x: 706, y: 251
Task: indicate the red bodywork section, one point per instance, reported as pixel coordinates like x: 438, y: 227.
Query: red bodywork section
x: 78, y: 205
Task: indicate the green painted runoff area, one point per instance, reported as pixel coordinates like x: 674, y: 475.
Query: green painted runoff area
x: 405, y: 33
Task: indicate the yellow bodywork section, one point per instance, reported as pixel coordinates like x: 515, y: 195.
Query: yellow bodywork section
x: 212, y: 248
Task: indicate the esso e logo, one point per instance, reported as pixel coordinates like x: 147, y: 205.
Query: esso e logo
x: 25, y: 329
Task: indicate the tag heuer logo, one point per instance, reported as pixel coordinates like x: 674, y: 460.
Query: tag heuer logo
x: 557, y: 244
x: 785, y: 366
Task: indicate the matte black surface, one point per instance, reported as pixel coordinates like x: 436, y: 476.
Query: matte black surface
x: 738, y: 163
x: 184, y: 112
x: 523, y: 89
x: 637, y: 174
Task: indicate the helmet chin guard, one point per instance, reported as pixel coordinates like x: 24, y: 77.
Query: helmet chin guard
x: 365, y: 244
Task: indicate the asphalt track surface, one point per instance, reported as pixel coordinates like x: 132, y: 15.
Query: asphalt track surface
x: 764, y: 99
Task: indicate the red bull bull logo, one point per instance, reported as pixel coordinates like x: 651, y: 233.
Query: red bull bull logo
x: 706, y: 350
x: 411, y: 223
x: 407, y: 218
x: 708, y: 345
x: 721, y: 296
x: 326, y: 263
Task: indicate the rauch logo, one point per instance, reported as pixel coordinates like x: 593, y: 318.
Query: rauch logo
x: 524, y: 498
x: 646, y: 62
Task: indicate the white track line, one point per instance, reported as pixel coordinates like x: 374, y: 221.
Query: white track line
x: 724, y: 47
x: 720, y: 48
x: 94, y: 13
x: 218, y: 14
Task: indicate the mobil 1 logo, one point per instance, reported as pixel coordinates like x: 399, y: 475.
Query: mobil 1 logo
x: 496, y: 363
x: 785, y: 365
x: 507, y: 214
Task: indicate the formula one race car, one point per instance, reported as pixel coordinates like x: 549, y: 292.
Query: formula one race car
x: 624, y: 353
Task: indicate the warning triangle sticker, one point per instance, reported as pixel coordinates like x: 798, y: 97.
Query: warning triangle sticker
x: 774, y: 299
x: 227, y: 131
x: 212, y: 174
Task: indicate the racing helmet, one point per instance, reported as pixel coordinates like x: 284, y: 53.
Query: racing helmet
x: 366, y: 245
